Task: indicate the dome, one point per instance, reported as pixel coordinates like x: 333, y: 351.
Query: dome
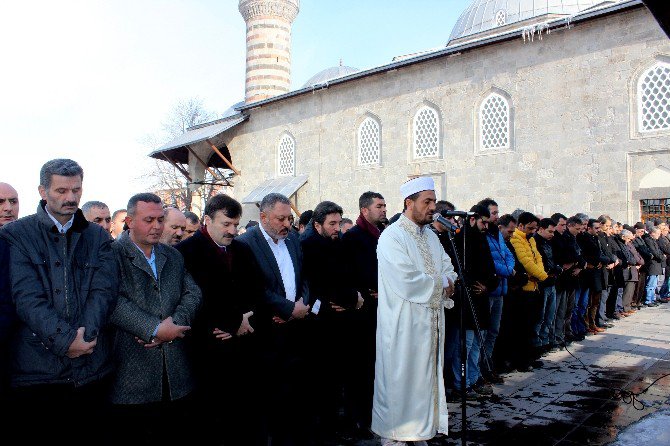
x: 329, y: 74
x: 485, y: 15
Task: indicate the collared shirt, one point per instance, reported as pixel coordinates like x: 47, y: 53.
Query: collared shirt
x: 150, y: 260
x: 61, y: 228
x: 285, y: 263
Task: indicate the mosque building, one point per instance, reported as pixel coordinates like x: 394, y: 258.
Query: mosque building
x: 545, y: 105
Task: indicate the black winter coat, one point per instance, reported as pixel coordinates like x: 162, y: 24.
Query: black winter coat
x: 655, y: 265
x: 664, y: 245
x: 7, y: 312
x: 478, y: 267
x: 323, y: 263
x: 567, y: 251
x: 544, y: 246
x: 592, y: 277
x: 643, y: 250
x: 360, y: 251
x: 60, y: 282
x: 229, y: 289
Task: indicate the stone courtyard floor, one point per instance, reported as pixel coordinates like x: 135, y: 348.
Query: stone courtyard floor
x: 563, y: 404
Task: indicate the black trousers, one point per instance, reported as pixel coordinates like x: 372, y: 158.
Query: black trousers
x: 154, y: 424
x: 360, y: 372
x: 226, y: 400
x: 288, y: 380
x: 521, y: 311
x: 52, y: 413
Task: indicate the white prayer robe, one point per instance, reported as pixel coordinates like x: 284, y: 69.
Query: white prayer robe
x: 409, y: 400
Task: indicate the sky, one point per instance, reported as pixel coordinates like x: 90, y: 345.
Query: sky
x: 89, y: 79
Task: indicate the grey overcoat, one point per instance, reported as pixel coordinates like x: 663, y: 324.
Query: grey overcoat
x: 142, y: 304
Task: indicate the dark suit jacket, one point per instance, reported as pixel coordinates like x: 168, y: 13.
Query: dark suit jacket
x: 273, y: 300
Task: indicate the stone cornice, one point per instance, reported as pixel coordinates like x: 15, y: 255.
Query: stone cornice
x: 286, y: 9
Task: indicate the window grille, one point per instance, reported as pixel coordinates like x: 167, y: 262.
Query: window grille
x: 494, y: 123
x: 655, y: 208
x: 426, y: 133
x: 654, y: 98
x: 286, y: 156
x: 369, y: 142
x: 501, y: 17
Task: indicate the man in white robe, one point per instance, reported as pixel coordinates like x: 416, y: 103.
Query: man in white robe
x: 415, y: 281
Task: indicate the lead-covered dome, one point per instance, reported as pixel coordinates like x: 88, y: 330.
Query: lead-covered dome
x: 486, y: 15
x: 329, y: 74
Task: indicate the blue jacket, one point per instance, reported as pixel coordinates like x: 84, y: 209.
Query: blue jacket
x: 503, y: 260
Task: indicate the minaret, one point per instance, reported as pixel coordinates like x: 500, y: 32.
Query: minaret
x: 268, y: 46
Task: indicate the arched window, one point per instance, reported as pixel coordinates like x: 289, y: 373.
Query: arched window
x: 369, y: 142
x: 426, y: 131
x: 494, y: 123
x: 653, y: 92
x: 286, y: 156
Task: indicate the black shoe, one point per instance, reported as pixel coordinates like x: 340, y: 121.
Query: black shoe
x: 579, y: 337
x: 537, y: 364
x: 363, y: 433
x: 493, y: 378
x: 455, y: 396
x: 523, y: 368
x: 483, y: 389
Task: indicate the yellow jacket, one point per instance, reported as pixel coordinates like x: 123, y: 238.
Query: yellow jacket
x: 530, y: 258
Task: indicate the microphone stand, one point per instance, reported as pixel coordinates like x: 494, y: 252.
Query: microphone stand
x: 464, y: 296
x: 461, y: 289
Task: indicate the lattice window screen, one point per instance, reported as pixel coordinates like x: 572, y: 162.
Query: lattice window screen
x: 426, y: 133
x: 286, y: 156
x: 369, y: 142
x: 654, y: 98
x: 501, y: 17
x: 494, y: 123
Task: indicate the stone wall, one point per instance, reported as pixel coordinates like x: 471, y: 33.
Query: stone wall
x: 572, y: 97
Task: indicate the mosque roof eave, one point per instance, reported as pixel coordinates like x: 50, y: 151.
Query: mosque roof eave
x: 450, y: 50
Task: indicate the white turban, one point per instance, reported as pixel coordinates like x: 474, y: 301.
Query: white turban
x: 418, y: 184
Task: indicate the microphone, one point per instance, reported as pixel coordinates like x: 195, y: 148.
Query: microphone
x: 445, y: 213
x: 446, y: 223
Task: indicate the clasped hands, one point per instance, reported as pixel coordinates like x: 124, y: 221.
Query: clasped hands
x: 168, y: 331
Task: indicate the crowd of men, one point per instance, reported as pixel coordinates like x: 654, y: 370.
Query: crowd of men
x: 150, y: 324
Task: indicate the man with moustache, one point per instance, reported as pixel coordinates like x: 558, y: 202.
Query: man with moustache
x: 333, y: 299
x: 97, y: 212
x: 174, y: 226
x: 9, y: 204
x: 416, y: 278
x: 280, y: 325
x: 360, y: 245
x: 156, y: 305
x: 63, y: 282
x: 223, y: 343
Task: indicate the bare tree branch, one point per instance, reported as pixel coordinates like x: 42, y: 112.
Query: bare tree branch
x: 164, y: 179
